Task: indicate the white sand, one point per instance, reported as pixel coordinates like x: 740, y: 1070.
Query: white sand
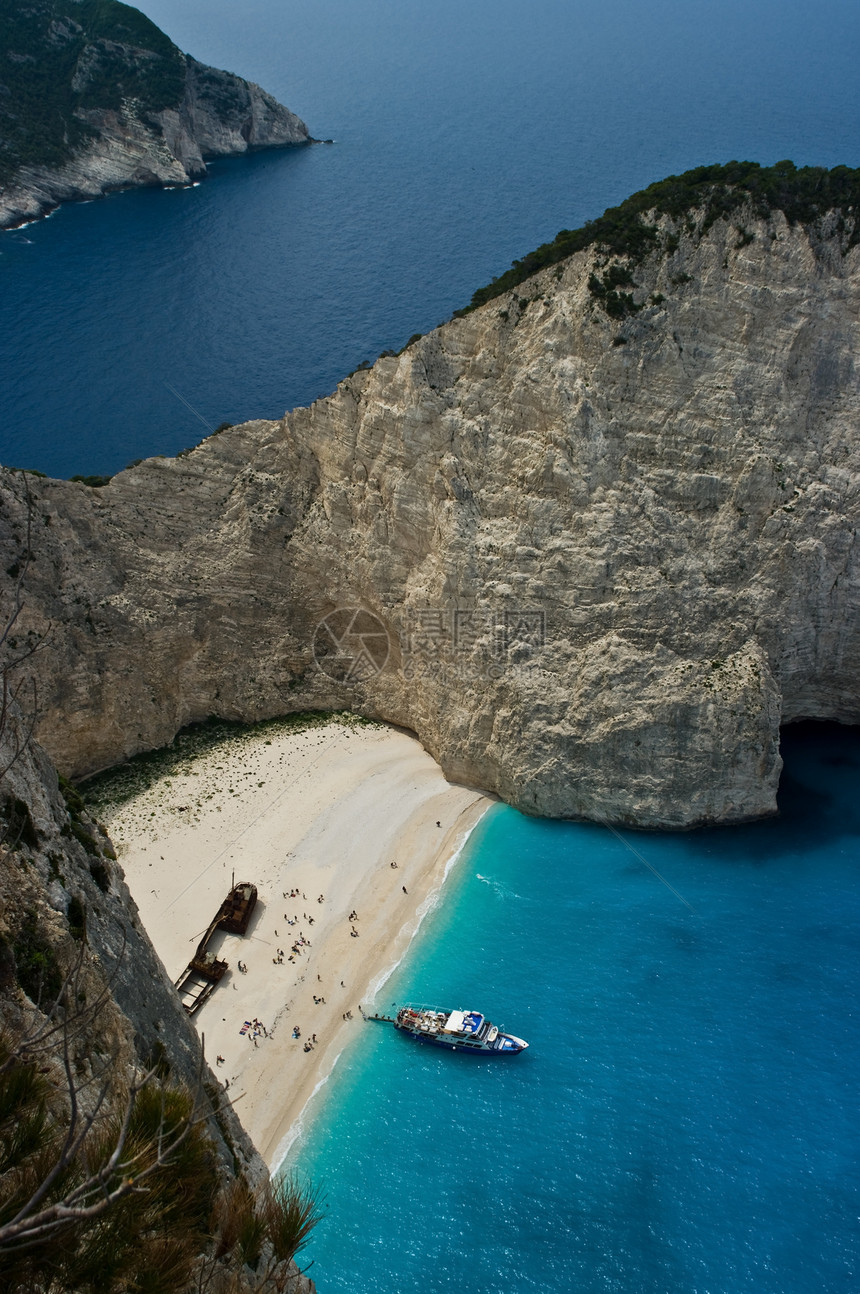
x: 325, y: 811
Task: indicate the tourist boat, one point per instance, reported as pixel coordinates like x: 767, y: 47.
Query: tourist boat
x: 456, y: 1030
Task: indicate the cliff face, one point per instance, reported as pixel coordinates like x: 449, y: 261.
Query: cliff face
x: 63, y: 898
x: 610, y: 558
x: 52, y: 853
x: 99, y: 99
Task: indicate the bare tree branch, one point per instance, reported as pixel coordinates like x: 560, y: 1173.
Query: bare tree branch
x: 94, y: 1195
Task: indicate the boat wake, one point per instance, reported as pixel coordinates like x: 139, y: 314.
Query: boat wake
x: 500, y: 890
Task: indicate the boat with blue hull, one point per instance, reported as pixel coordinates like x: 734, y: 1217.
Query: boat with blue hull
x: 455, y: 1030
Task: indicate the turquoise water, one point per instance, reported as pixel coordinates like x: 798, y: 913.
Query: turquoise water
x: 685, y: 1117
x: 465, y: 135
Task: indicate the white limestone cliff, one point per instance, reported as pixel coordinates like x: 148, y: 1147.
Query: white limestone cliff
x: 648, y: 529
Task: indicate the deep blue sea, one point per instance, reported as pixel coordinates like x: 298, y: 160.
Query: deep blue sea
x: 466, y: 132
x: 685, y: 1119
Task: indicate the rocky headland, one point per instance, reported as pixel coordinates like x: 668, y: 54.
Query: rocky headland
x: 94, y: 98
x: 606, y: 523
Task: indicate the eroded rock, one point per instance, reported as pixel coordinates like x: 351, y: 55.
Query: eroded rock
x: 610, y: 557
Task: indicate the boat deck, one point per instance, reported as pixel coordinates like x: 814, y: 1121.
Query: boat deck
x: 203, y: 973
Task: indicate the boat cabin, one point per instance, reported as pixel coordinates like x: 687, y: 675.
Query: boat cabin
x: 237, y: 908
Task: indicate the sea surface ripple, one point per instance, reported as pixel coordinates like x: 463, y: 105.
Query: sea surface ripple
x: 685, y: 1116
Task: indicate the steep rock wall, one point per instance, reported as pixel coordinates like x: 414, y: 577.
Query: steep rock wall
x: 51, y: 854
x: 219, y: 115
x: 58, y: 869
x: 610, y: 557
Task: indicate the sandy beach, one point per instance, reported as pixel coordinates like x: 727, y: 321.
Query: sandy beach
x: 323, y: 814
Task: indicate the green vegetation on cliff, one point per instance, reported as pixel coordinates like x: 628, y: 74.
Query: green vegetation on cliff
x: 109, y: 1186
x: 802, y: 194
x: 61, y: 58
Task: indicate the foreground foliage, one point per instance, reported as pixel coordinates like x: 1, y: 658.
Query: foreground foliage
x: 99, y: 1200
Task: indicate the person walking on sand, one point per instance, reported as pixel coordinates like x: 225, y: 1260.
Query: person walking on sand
x: 404, y: 889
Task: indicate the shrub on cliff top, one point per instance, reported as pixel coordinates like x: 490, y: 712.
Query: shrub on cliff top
x: 802, y: 194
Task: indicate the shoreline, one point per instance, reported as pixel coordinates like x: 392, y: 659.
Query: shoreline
x: 291, y: 1127
x: 67, y: 194
x: 349, y: 818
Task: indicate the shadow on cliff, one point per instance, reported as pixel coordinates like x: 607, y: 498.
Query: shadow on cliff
x: 817, y: 800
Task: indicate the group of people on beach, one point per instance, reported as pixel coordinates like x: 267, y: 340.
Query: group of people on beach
x: 295, y: 949
x: 311, y: 1042
x: 301, y: 942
